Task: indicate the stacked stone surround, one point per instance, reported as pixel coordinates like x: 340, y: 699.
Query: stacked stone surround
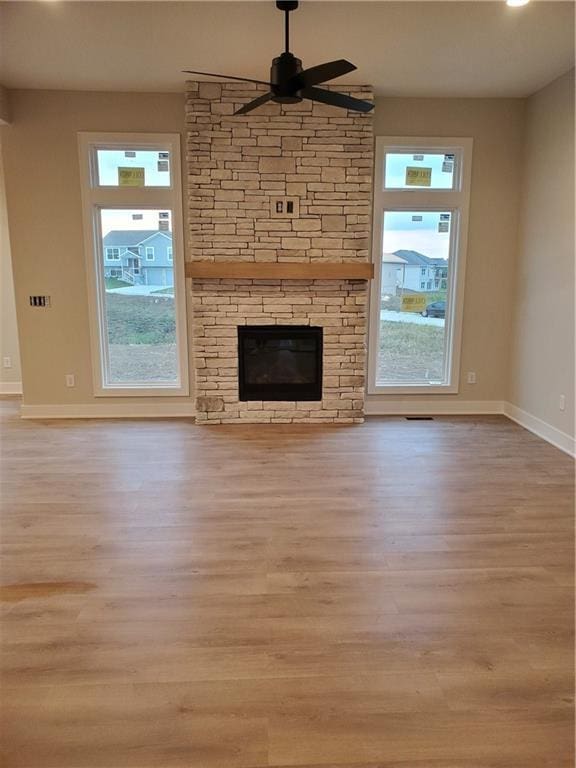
x: 322, y: 158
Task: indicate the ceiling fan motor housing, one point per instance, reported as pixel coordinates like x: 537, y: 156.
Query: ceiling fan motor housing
x: 283, y: 68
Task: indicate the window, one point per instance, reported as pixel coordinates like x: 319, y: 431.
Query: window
x: 131, y: 168
x: 169, y: 253
x: 138, y: 337
x: 420, y: 227
x: 405, y: 169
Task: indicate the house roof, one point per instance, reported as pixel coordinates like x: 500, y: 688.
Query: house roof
x: 392, y: 258
x: 128, y: 237
x: 414, y: 258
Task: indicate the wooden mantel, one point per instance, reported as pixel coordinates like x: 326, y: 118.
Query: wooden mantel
x: 273, y: 270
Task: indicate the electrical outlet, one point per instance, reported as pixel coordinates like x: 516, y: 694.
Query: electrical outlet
x: 284, y: 207
x: 7, y: 362
x: 70, y: 380
x: 471, y: 377
x: 562, y: 403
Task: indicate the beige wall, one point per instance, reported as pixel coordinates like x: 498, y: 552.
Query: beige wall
x: 9, y: 377
x: 496, y: 125
x: 5, y: 111
x: 542, y: 362
x: 45, y: 215
x: 43, y: 189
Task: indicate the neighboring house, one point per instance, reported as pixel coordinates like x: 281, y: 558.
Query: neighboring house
x: 413, y: 271
x: 392, y: 277
x: 139, y: 257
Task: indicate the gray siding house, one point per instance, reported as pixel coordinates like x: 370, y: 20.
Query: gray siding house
x: 139, y: 257
x: 413, y: 271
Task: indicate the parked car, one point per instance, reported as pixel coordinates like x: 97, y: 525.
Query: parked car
x: 435, y: 309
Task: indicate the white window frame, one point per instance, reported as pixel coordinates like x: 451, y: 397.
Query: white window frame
x: 170, y: 254
x: 94, y: 199
x: 114, y: 257
x: 149, y: 252
x: 457, y: 202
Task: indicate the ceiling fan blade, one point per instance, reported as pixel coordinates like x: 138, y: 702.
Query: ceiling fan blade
x: 255, y: 103
x: 337, y: 99
x: 226, y: 77
x: 320, y: 74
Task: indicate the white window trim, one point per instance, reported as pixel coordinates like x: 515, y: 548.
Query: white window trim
x: 96, y: 197
x: 422, y: 199
x: 170, y: 254
x: 151, y: 256
x: 112, y: 258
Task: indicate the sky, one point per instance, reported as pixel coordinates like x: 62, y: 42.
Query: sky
x: 122, y: 219
x: 397, y: 163
x: 109, y: 160
x: 151, y: 160
x: 416, y: 231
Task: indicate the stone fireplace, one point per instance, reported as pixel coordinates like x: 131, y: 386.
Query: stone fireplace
x: 279, y: 223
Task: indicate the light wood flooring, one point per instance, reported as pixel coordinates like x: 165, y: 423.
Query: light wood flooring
x: 392, y: 595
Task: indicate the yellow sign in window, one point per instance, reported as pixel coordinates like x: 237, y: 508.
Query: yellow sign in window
x: 130, y: 177
x: 418, y: 177
x: 414, y: 302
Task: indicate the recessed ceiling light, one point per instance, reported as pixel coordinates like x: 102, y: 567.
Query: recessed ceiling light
x: 516, y: 3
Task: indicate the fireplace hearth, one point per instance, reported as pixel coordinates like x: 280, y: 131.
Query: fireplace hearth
x: 279, y: 362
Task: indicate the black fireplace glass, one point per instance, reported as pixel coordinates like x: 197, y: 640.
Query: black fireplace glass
x: 279, y: 362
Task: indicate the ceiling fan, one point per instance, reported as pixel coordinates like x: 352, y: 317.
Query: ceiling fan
x: 289, y: 83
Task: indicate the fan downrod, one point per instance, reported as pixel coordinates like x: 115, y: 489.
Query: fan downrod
x: 286, y: 65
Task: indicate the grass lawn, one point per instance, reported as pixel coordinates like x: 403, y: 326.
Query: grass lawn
x: 140, y: 319
x: 410, y: 352
x: 142, y: 337
x: 113, y: 282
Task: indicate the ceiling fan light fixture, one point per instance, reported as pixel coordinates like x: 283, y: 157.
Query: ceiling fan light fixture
x: 290, y: 83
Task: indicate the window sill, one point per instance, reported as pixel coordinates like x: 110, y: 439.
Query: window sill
x: 417, y: 389
x: 158, y: 391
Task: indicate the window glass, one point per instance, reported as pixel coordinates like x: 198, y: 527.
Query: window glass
x: 133, y: 168
x: 139, y: 314
x: 412, y: 343
x: 419, y: 171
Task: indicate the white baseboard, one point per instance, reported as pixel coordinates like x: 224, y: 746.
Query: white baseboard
x: 432, y: 406
x: 374, y: 407
x: 377, y: 406
x: 10, y: 387
x: 541, y: 428
x: 109, y: 411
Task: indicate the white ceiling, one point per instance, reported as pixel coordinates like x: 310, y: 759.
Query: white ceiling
x: 402, y: 48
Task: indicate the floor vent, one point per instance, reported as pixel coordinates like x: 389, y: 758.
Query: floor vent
x: 419, y: 418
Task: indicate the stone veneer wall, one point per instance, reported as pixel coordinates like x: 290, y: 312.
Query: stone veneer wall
x: 322, y: 157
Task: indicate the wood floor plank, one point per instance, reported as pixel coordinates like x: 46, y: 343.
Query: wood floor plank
x: 391, y: 595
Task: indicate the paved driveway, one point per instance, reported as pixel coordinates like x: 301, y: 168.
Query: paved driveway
x: 138, y: 290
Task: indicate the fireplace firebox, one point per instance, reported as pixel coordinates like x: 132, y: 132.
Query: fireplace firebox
x: 279, y: 362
